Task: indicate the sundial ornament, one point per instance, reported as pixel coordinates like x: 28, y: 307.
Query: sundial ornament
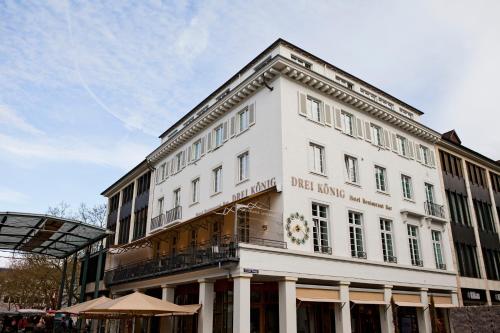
x: 297, y: 228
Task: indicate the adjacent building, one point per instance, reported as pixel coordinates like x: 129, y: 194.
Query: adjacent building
x: 472, y: 185
x: 294, y: 198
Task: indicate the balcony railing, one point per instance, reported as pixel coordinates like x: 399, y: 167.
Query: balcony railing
x: 434, y: 209
x: 201, y: 255
x: 322, y: 249
x: 164, y: 219
x: 392, y: 259
x: 359, y: 254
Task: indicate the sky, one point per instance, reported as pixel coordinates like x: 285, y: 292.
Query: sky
x: 86, y: 88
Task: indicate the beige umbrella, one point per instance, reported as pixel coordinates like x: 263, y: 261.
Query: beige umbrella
x: 77, y: 308
x: 189, y: 309
x: 136, y: 304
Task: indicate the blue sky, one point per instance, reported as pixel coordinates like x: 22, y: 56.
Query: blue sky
x: 87, y: 87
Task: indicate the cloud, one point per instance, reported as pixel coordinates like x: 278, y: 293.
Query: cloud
x: 10, y: 118
x: 9, y: 196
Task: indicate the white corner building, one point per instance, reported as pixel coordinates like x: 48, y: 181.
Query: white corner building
x: 295, y: 198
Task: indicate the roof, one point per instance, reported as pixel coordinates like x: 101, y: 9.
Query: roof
x: 254, y: 62
x: 47, y: 235
x: 139, y: 167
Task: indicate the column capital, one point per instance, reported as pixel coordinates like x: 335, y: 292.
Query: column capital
x: 289, y: 278
x: 205, y: 281
x: 344, y: 283
x: 388, y: 286
x: 242, y: 276
x: 424, y: 289
x: 163, y: 286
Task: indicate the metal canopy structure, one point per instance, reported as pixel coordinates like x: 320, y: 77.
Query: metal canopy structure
x: 46, y: 235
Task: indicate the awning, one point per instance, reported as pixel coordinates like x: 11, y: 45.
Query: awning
x: 190, y: 310
x: 44, y: 234
x: 318, y: 295
x: 446, y: 306
x: 410, y: 304
x: 374, y: 302
x: 77, y: 308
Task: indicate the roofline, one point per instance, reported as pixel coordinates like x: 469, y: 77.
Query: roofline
x: 122, y: 178
x: 280, y: 41
x: 492, y: 164
x: 52, y: 217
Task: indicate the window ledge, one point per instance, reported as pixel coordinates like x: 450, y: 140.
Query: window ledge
x: 194, y: 203
x: 383, y: 193
x: 318, y: 174
x: 239, y: 182
x: 353, y: 184
x: 409, y: 200
x: 322, y: 123
x: 215, y: 194
x: 238, y: 133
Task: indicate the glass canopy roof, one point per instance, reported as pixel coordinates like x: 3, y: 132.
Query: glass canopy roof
x: 45, y: 234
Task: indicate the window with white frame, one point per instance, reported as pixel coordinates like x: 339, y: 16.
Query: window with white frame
x: 356, y: 234
x: 243, y: 164
x: 314, y: 109
x: 351, y: 166
x: 429, y: 192
x: 426, y: 155
x: 219, y: 136
x: 178, y: 161
x: 176, y: 198
x: 316, y: 158
x: 217, y: 180
x: 195, y: 190
x: 438, y: 249
x: 377, y: 135
x: 402, y: 145
x: 348, y: 122
x: 160, y: 173
x: 381, y: 178
x: 196, y: 150
x: 320, y: 228
x: 386, y: 236
x: 160, y: 205
x: 413, y: 242
x: 407, y: 187
x: 243, y: 120
x: 301, y: 61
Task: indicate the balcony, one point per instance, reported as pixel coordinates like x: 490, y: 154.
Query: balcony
x: 200, y: 256
x: 165, y: 219
x: 434, y: 209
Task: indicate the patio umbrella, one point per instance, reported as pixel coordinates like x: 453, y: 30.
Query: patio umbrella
x: 77, y: 308
x: 136, y: 304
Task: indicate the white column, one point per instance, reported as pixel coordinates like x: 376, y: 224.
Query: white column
x: 287, y: 305
x: 132, y: 214
x: 117, y: 231
x: 206, y: 299
x: 167, y: 294
x: 343, y: 310
x: 241, y: 303
x: 386, y: 320
x: 454, y: 298
x: 424, y: 314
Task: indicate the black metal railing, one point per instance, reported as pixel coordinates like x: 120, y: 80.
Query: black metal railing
x: 157, y: 221
x: 417, y: 262
x: 392, y: 259
x: 201, y: 255
x: 434, y: 209
x: 322, y: 249
x: 170, y: 216
x: 265, y: 242
x: 360, y: 255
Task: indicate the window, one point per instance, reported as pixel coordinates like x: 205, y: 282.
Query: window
x: 196, y: 150
x: 316, y: 158
x: 160, y: 173
x: 402, y: 145
x: 414, y: 245
x: 451, y: 164
x: 429, y: 192
x: 438, y: 249
x: 143, y: 183
x: 484, y: 216
x: 407, y: 187
x: 381, y: 178
x: 348, y: 123
x: 301, y: 61
x: 195, y: 190
x: 387, y: 243
x: 467, y: 260
x: 320, y: 228
x: 177, y: 198
x: 124, y: 230
x: 178, y: 161
x: 351, y: 166
x: 356, y: 235
x: 314, y: 109
x: 244, y: 226
x: 426, y: 155
x: 243, y: 166
x: 217, y: 180
x: 141, y: 217
x: 377, y: 135
x: 160, y: 206
x: 219, y: 136
x: 243, y: 120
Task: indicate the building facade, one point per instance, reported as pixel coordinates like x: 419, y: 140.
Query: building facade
x: 472, y: 185
x: 295, y: 198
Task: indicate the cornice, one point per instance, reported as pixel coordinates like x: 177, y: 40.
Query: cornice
x: 278, y: 66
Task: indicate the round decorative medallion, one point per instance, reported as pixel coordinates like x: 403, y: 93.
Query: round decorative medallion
x: 297, y: 228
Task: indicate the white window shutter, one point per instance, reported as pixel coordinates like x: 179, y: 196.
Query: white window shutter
x: 173, y: 166
x: 328, y: 115
x: 418, y: 154
x: 354, y: 126
x: 387, y: 139
x: 224, y: 131
x: 368, y: 131
x: 232, y: 127
x: 209, y: 141
x: 338, y: 119
x: 302, y: 104
x: 407, y: 148
x: 203, y: 146
x: 411, y: 150
x: 251, y: 114
x: 183, y: 159
x: 432, y: 158
x: 167, y: 169
x: 189, y: 154
x: 359, y: 125
x: 394, y: 143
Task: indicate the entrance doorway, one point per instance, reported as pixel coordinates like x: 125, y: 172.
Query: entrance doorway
x: 264, y: 308
x: 316, y: 317
x: 365, y: 318
x: 407, y: 320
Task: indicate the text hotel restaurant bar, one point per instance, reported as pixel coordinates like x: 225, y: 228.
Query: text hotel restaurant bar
x: 299, y: 198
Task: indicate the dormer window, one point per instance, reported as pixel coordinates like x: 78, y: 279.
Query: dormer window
x: 301, y: 62
x: 344, y: 82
